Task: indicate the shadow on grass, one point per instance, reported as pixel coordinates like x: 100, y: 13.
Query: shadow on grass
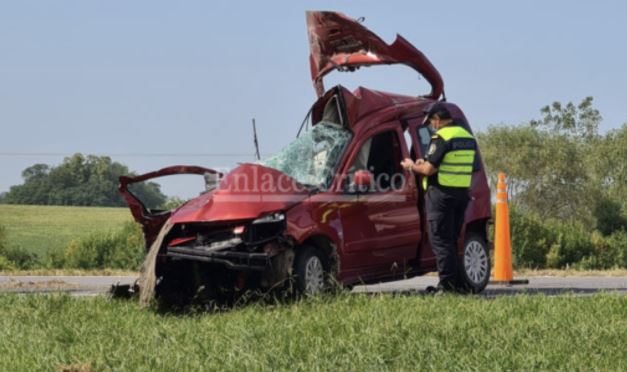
x: 223, y: 300
x: 234, y: 300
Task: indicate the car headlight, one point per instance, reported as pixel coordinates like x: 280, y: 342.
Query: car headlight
x: 270, y: 218
x: 265, y: 228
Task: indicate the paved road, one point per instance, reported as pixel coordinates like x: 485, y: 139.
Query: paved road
x: 537, y: 285
x: 78, y: 285
x: 92, y: 285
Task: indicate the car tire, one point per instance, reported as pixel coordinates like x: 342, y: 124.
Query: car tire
x: 311, y: 272
x: 475, y: 264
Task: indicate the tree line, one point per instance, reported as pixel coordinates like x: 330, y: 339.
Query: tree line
x: 80, y: 181
x: 568, y: 187
x: 561, y: 167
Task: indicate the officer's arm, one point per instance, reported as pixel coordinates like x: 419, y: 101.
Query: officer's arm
x: 434, y: 156
x: 424, y: 167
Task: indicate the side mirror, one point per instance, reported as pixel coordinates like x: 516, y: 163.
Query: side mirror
x: 362, y: 181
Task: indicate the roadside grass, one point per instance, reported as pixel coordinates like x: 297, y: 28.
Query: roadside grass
x: 344, y: 332
x: 41, y: 228
x: 569, y: 272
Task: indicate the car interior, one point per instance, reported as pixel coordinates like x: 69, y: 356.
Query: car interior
x: 381, y: 155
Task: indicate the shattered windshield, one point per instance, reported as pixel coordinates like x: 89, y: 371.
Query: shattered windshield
x: 312, y: 157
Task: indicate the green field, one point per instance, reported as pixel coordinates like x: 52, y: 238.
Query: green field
x: 347, y: 332
x: 40, y: 228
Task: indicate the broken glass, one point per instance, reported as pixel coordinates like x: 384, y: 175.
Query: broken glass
x: 311, y: 159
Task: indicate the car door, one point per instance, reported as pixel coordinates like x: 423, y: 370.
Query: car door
x: 381, y: 225
x: 421, y: 137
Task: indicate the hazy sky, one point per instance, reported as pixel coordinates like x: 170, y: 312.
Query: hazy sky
x: 155, y: 83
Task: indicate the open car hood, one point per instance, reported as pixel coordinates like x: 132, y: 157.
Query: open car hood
x: 342, y: 43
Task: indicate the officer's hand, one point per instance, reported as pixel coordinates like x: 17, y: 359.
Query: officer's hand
x: 407, y: 163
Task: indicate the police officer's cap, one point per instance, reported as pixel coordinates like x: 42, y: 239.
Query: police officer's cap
x: 438, y: 109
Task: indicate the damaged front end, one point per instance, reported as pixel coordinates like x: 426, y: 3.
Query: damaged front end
x: 234, y: 234
x: 152, y: 220
x: 259, y: 247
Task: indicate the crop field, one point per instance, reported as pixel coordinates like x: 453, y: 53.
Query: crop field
x: 345, y: 332
x: 40, y: 228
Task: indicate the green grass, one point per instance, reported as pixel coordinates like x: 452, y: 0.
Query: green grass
x: 37, y: 229
x: 347, y: 332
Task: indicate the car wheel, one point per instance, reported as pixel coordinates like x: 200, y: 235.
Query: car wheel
x: 311, y: 271
x: 475, y: 265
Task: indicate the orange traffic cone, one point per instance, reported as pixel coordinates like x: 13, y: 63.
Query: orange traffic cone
x: 503, y: 273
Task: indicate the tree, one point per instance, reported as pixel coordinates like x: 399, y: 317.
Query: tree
x: 80, y: 180
x: 581, y: 121
x: 609, y: 159
x: 558, y: 166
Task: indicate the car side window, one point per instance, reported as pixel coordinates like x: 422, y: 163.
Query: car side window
x: 381, y: 155
x: 409, y: 143
x: 424, y: 136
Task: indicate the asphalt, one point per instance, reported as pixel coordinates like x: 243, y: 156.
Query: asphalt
x: 547, y: 285
x: 95, y: 285
x: 76, y: 285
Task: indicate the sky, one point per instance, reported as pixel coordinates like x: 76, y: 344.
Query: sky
x: 156, y: 83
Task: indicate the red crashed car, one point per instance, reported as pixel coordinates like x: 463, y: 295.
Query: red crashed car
x: 335, y: 204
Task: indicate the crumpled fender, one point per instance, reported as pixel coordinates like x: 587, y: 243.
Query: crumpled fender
x: 152, y: 222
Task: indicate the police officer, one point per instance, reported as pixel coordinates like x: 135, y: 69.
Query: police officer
x: 447, y: 171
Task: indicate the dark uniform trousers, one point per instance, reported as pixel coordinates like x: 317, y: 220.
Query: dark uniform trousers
x: 445, y: 216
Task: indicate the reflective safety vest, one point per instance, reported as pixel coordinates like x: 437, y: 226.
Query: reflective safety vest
x: 457, y: 165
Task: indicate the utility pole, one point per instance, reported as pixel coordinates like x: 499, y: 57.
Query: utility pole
x: 255, y: 139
